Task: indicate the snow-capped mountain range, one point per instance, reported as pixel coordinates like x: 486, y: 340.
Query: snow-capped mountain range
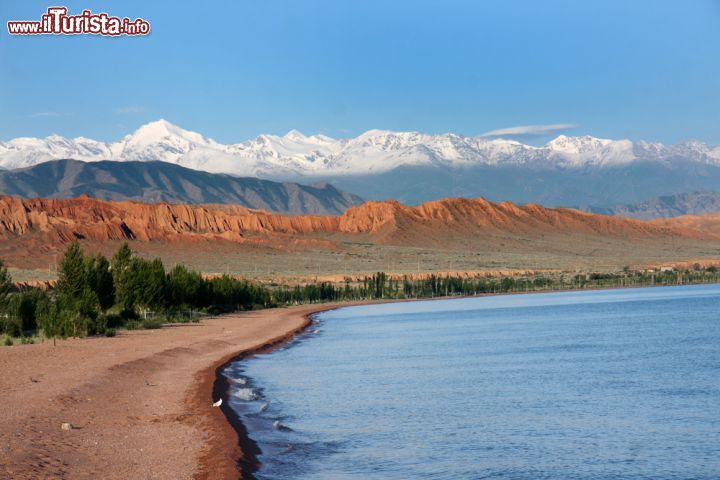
x: 375, y: 151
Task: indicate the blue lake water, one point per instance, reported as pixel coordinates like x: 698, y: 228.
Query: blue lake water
x: 583, y: 385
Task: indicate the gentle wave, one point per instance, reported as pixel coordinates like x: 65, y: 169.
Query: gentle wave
x: 246, y: 394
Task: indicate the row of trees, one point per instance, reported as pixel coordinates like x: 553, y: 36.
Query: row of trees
x: 96, y: 295
x: 382, y: 286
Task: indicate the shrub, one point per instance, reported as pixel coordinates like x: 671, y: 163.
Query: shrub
x: 151, y: 324
x: 9, y: 342
x: 110, y: 332
x: 10, y: 322
x: 114, y: 320
x: 97, y: 326
x: 133, y: 325
x: 18, y: 311
x: 129, y: 314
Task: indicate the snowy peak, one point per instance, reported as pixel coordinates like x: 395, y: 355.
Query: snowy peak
x: 153, y: 132
x: 387, y: 140
x: 577, y: 145
x: 587, y: 150
x: 295, y: 135
x: 160, y: 140
x: 296, y: 154
x: 164, y: 131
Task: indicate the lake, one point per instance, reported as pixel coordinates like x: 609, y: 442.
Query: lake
x: 607, y: 384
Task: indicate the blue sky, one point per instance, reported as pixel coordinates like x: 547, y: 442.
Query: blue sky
x: 234, y: 69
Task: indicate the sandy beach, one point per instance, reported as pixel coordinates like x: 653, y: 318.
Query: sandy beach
x: 139, y: 403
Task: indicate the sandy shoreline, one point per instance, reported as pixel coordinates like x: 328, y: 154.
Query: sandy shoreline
x: 140, y: 402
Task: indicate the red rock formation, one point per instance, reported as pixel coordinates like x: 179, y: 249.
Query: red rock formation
x: 392, y: 221
x: 97, y: 220
x: 387, y: 222
x: 708, y: 224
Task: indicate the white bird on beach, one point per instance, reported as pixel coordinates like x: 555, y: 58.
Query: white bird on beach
x: 218, y: 403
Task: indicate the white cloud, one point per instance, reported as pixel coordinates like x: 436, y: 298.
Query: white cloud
x: 130, y: 109
x: 530, y: 130
x: 46, y: 114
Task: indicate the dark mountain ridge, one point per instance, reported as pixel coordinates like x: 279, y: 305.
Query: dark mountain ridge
x: 666, y: 206
x: 590, y: 186
x: 166, y: 182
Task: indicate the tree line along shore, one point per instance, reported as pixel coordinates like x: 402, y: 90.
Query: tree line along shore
x: 97, y: 296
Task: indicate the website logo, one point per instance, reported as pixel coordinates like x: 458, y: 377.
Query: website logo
x: 56, y: 21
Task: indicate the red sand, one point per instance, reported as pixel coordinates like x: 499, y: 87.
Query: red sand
x: 140, y: 403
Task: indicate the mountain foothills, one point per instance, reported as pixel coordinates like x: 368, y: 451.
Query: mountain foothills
x: 165, y: 182
x: 386, y: 222
x: 440, y: 235
x: 414, y: 167
x: 696, y: 203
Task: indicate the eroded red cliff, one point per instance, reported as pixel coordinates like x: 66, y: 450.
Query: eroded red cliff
x: 386, y: 222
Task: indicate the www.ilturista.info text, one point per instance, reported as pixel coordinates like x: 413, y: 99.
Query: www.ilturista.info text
x: 57, y: 22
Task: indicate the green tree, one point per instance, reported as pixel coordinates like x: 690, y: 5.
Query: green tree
x: 6, y: 283
x: 153, y: 284
x: 120, y: 266
x: 186, y: 287
x: 25, y: 308
x: 100, y: 280
x: 76, y: 299
x: 144, y: 283
x: 6, y: 287
x: 49, y: 319
x: 72, y: 278
x: 11, y: 319
x: 18, y: 316
x: 121, y: 258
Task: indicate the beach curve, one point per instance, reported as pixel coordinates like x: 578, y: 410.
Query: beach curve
x: 140, y: 404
